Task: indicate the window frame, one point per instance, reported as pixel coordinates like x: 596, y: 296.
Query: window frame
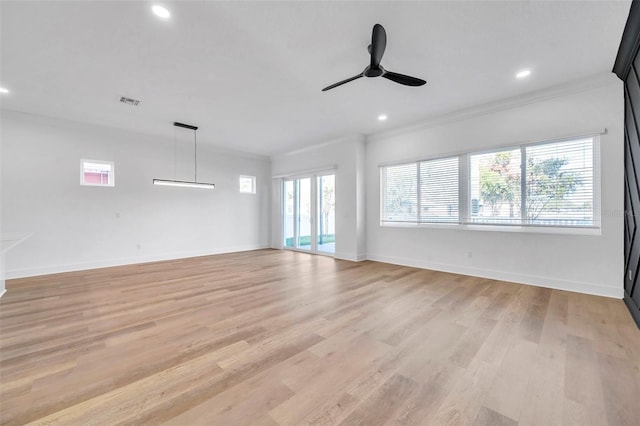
x: 595, y: 164
x: 419, y: 217
x: 467, y: 207
x: 417, y: 197
x: 112, y: 181
x: 464, y: 192
x: 254, y: 184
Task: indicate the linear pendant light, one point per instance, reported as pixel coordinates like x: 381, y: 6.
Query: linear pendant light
x: 182, y: 183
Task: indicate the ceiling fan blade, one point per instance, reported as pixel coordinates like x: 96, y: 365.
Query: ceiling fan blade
x: 378, y: 44
x: 340, y: 83
x: 403, y: 79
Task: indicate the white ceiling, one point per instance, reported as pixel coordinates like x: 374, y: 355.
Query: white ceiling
x: 250, y: 74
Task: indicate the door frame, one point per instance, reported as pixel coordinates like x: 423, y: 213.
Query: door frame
x: 313, y: 178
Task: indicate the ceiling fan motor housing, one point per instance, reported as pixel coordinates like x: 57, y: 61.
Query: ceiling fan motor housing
x: 373, y: 72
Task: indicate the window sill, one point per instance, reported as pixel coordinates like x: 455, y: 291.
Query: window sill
x: 497, y: 228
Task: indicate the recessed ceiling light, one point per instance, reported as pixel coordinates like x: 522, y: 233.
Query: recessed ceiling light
x: 3, y: 90
x: 382, y: 117
x: 523, y: 74
x: 161, y: 11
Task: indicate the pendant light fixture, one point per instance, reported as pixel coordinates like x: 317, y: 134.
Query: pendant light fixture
x: 182, y: 183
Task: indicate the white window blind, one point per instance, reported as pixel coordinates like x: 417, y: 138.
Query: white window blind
x: 432, y: 185
x: 400, y: 193
x: 439, y: 190
x: 559, y: 184
x: 551, y: 184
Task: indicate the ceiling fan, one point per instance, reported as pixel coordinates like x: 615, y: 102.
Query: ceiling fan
x: 374, y: 69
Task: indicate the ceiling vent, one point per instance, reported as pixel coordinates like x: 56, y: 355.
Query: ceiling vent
x: 129, y: 101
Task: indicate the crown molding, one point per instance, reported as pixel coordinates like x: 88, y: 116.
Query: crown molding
x: 585, y: 84
x: 355, y: 136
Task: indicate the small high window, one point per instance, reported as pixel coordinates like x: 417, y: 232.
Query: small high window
x: 97, y: 173
x: 248, y: 184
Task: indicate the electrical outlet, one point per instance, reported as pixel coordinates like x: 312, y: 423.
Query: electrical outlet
x: 139, y: 246
x: 469, y: 254
x: 117, y: 215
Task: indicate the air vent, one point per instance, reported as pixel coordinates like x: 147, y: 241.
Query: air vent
x: 129, y: 101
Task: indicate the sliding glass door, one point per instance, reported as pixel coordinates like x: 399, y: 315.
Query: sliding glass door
x: 309, y: 213
x: 288, y: 191
x: 303, y: 217
x: 326, y: 213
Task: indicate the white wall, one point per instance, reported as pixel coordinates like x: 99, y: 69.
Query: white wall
x: 347, y: 155
x: 76, y: 227
x: 586, y: 263
x: 79, y: 227
x: 2, y: 269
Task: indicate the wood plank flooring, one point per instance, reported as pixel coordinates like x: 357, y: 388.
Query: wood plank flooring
x: 282, y: 338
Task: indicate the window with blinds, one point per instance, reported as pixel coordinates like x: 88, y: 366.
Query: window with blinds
x: 400, y: 193
x: 559, y: 183
x: 495, y: 187
x: 548, y: 184
x: 421, y: 192
x: 439, y: 190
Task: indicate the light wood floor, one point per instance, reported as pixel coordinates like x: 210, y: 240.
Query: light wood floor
x: 276, y: 337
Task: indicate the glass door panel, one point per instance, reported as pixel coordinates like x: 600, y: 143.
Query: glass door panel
x: 308, y: 206
x: 326, y: 214
x: 303, y: 219
x: 289, y: 232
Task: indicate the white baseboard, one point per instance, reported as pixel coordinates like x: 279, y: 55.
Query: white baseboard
x: 536, y: 280
x: 350, y: 257
x: 54, y: 269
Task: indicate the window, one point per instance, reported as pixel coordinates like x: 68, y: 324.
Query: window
x: 550, y: 184
x: 400, y: 193
x: 559, y: 183
x: 97, y: 173
x: 439, y: 190
x: 248, y: 184
x: 495, y: 187
x: 432, y: 185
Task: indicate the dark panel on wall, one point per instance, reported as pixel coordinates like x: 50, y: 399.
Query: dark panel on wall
x: 627, y: 67
x: 632, y: 191
x: 630, y: 42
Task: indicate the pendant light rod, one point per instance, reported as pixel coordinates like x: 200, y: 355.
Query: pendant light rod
x: 195, y: 183
x: 195, y: 147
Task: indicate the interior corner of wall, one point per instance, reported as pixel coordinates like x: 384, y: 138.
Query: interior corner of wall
x: 345, y: 256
